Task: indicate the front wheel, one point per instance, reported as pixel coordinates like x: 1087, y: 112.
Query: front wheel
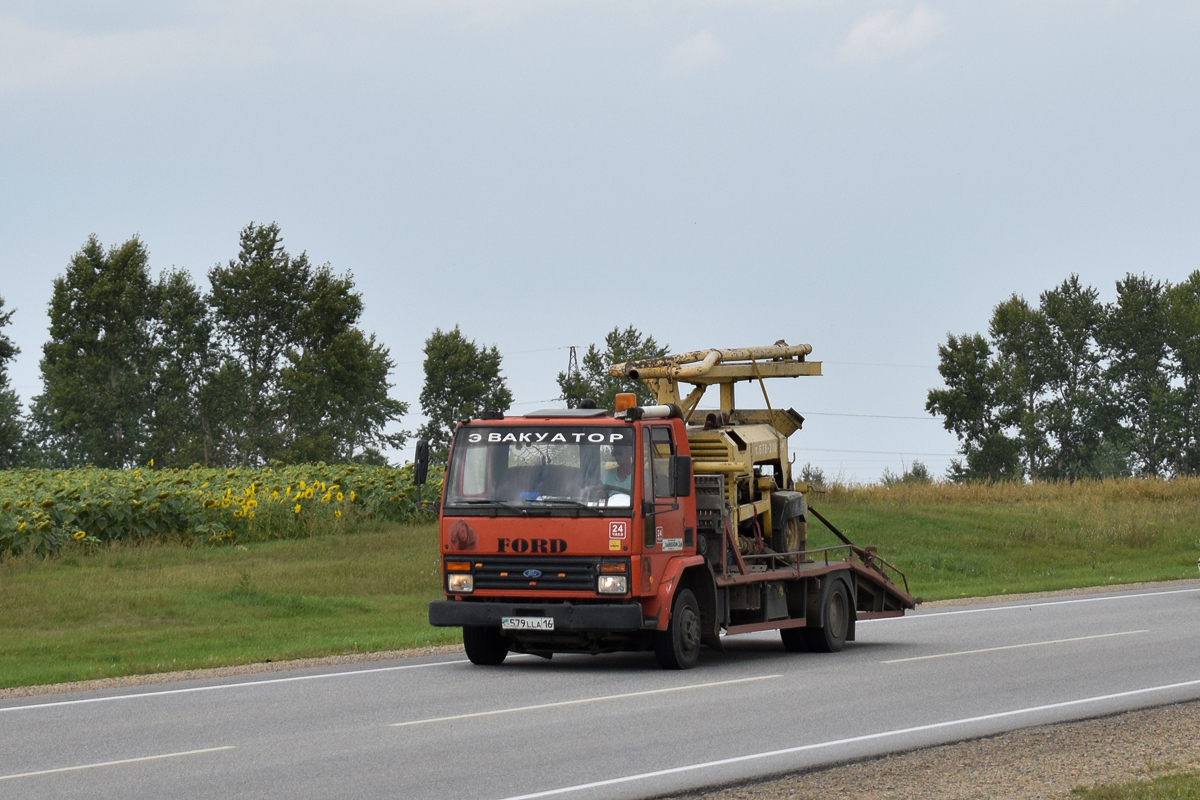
x: 678, y: 647
x: 484, y: 646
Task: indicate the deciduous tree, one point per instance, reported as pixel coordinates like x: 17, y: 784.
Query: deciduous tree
x: 184, y: 362
x: 1135, y: 339
x: 593, y: 381
x: 1077, y: 407
x: 462, y: 379
x: 1021, y: 336
x: 300, y: 381
x: 1183, y: 315
x: 12, y: 428
x: 338, y: 404
x: 971, y: 410
x: 97, y: 368
x: 256, y: 301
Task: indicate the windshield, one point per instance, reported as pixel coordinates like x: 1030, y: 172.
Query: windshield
x: 571, y: 467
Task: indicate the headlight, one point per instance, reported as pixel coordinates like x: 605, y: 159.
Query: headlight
x: 612, y: 584
x: 457, y: 582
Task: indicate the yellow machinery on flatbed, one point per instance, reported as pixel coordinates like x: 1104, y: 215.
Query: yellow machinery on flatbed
x: 760, y: 522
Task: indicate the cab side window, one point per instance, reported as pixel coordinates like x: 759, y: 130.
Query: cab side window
x: 660, y: 441
x: 648, y: 485
x: 647, y: 470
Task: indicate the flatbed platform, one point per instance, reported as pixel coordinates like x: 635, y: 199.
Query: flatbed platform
x: 881, y: 589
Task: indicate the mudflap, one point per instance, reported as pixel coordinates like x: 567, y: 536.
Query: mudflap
x: 847, y: 578
x: 852, y: 583
x: 697, y: 575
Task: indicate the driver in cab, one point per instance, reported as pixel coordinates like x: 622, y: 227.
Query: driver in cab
x: 617, y: 475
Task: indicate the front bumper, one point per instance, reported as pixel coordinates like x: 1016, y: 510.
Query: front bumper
x: 567, y: 616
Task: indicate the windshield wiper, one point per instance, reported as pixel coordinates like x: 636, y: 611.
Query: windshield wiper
x: 491, y: 503
x: 564, y: 501
x: 522, y: 507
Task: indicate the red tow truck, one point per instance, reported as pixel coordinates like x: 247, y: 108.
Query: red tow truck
x: 657, y: 527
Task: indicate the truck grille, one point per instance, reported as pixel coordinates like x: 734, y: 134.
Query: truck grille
x: 566, y: 573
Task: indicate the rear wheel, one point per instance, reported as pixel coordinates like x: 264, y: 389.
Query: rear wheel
x: 836, y: 611
x: 484, y: 646
x: 678, y: 647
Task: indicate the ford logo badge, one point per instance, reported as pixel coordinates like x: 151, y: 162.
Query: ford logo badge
x: 532, y: 573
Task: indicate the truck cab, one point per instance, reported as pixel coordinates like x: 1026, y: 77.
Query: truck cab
x: 559, y: 528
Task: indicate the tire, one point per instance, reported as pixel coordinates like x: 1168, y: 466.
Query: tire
x: 788, y: 539
x: 836, y: 611
x: 678, y: 647
x: 793, y: 639
x: 484, y: 646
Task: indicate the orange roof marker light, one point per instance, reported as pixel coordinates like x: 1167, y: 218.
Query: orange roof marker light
x: 624, y: 401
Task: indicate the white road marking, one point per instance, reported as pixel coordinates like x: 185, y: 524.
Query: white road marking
x: 1010, y: 647
x: 1016, y: 606
x: 584, y: 700
x: 114, y: 763
x: 851, y: 740
x: 240, y: 685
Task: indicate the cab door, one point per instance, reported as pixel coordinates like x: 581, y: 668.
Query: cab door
x: 663, y: 514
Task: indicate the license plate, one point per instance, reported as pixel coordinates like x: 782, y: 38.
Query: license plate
x: 527, y: 623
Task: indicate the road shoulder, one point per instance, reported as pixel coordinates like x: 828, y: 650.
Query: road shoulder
x: 1041, y: 763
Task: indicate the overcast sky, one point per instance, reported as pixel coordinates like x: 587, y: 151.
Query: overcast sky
x: 862, y: 176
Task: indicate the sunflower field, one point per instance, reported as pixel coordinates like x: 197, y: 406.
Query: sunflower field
x: 41, y: 510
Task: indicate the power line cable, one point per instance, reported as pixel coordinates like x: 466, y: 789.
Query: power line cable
x: 869, y: 416
x: 503, y: 355
x: 535, y: 402
x: 873, y: 364
x: 874, y: 452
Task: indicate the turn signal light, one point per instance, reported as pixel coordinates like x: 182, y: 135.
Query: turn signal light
x: 458, y: 566
x: 625, y: 400
x: 612, y: 568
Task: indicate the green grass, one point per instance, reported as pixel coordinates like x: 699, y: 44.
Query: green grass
x: 1168, y: 787
x: 102, y: 611
x: 152, y: 608
x: 954, y: 541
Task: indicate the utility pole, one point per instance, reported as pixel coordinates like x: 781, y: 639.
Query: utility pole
x: 572, y: 379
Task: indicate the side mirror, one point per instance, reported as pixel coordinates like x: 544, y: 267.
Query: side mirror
x: 681, y: 476
x: 421, y: 463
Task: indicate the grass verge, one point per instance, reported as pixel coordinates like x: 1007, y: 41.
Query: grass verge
x: 972, y: 541
x: 1168, y: 787
x: 129, y: 609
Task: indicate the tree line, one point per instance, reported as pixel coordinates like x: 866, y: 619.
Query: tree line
x: 266, y: 365
x: 1075, y: 388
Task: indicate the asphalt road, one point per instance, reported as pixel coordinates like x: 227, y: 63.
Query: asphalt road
x: 610, y: 726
